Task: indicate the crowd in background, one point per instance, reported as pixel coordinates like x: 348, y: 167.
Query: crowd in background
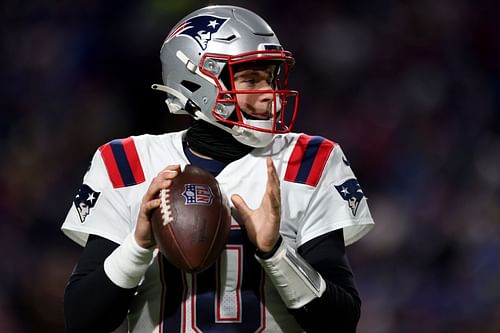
x: 410, y: 89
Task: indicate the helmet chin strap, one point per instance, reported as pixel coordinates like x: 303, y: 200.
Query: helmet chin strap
x: 244, y: 135
x: 180, y: 105
x: 173, y: 106
x: 252, y: 137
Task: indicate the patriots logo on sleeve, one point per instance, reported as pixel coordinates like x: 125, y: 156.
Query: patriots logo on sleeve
x: 85, y: 200
x: 199, y: 28
x: 350, y: 191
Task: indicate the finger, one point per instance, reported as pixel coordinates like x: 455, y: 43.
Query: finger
x: 272, y: 174
x: 173, y: 167
x: 150, y: 206
x: 170, y: 172
x: 154, y: 188
x: 161, y: 181
x: 273, y: 183
x: 241, y: 206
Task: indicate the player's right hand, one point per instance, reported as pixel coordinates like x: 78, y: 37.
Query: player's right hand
x: 143, y: 231
x: 263, y: 224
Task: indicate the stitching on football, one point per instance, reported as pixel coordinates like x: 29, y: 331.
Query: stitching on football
x: 166, y: 209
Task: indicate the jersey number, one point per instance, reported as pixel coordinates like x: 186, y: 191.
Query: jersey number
x: 227, y: 297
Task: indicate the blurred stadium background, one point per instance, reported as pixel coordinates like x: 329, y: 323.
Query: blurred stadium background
x: 411, y: 89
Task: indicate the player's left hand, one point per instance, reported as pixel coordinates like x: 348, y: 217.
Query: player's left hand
x: 143, y: 231
x: 263, y: 224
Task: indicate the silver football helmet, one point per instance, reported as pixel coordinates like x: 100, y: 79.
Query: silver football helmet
x: 198, y: 58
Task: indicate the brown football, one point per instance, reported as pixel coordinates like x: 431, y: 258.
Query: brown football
x: 192, y: 224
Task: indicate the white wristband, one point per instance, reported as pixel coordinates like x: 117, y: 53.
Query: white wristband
x: 295, y: 280
x: 128, y: 263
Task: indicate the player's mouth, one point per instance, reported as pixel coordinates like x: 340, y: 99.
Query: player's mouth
x: 258, y: 116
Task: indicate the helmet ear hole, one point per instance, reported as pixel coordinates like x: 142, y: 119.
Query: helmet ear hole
x: 190, y: 85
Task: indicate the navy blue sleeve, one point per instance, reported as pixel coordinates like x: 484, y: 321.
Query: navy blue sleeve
x: 338, y: 309
x: 92, y: 302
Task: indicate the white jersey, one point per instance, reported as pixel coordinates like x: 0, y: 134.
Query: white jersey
x: 319, y: 194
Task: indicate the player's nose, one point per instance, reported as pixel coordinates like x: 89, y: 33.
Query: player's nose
x: 267, y: 92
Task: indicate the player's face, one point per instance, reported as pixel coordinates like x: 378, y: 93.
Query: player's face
x: 258, y: 106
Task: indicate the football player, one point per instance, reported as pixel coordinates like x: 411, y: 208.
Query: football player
x: 296, y: 202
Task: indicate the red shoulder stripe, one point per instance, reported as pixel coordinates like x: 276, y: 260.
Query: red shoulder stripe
x: 296, y: 158
x: 319, y: 163
x: 122, y: 162
x: 308, y: 159
x: 111, y: 166
x: 133, y: 160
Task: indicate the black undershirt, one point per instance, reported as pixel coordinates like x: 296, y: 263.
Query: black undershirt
x: 93, y: 303
x: 215, y: 142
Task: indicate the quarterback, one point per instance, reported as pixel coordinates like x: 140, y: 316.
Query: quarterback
x: 296, y: 203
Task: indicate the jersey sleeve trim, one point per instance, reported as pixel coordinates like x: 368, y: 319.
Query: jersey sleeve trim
x: 80, y: 235
x: 122, y: 162
x: 352, y: 232
x: 308, y: 159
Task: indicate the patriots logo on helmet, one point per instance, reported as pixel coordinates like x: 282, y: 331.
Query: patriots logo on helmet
x: 85, y: 200
x: 199, y: 28
x: 350, y: 191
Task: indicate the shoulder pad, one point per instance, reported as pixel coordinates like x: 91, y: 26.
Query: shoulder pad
x: 308, y: 159
x: 122, y: 162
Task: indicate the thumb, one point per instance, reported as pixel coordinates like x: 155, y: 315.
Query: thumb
x: 241, y: 206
